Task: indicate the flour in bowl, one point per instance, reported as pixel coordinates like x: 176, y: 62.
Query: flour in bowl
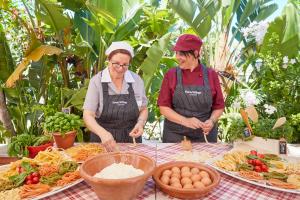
x: 119, y: 171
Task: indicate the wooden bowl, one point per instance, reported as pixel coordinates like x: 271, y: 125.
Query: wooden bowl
x: 121, y: 189
x: 186, y: 193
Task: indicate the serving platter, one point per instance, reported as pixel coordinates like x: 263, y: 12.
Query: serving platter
x: 54, y: 190
x: 261, y: 183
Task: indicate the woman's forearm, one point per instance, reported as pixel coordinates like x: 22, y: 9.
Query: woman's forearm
x: 92, y: 125
x: 143, y: 116
x: 216, y: 114
x: 171, y: 115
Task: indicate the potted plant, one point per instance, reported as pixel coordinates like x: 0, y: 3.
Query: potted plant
x: 28, y: 145
x: 64, y: 128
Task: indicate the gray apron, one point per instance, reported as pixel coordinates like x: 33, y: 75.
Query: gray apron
x: 190, y: 101
x: 119, y: 115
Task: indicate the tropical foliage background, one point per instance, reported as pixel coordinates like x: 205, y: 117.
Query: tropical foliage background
x: 49, y: 49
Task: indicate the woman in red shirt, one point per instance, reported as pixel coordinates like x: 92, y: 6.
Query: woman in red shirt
x: 190, y: 97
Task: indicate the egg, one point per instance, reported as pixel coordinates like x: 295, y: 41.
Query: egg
x: 198, y: 185
x: 167, y: 172
x: 195, y: 170
x: 188, y: 186
x: 174, y: 180
x: 186, y: 174
x: 176, y: 185
x: 196, y: 177
x: 204, y: 174
x: 165, y: 179
x: 206, y: 181
x: 184, y: 169
x: 185, y: 180
x: 177, y: 175
x: 175, y: 170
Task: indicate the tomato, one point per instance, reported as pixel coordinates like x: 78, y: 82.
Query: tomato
x: 28, y: 182
x: 258, y: 162
x: 35, y: 180
x: 250, y: 162
x: 257, y: 168
x: 260, y: 155
x: 35, y: 174
x: 29, y: 177
x: 253, y: 152
x: 19, y: 170
x: 264, y: 168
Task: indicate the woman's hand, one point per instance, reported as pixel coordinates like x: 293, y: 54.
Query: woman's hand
x: 138, y: 130
x: 207, y: 126
x: 192, y: 122
x: 109, y: 142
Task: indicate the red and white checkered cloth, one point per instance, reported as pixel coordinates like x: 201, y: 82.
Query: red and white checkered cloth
x: 229, y: 187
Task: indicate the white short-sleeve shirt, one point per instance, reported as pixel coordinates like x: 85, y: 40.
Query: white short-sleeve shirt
x: 94, y: 97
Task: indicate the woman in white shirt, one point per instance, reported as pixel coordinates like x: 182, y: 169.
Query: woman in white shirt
x: 115, y: 108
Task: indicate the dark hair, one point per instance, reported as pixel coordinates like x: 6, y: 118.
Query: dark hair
x: 190, y: 53
x: 123, y: 51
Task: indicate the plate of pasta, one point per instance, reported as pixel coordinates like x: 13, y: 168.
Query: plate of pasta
x: 50, y: 172
x: 271, y: 171
x: 83, y: 151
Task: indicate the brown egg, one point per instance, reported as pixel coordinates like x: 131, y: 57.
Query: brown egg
x: 175, y: 170
x: 177, y: 175
x: 185, y: 180
x: 195, y: 170
x: 198, y: 185
x: 174, y: 180
x: 188, y: 186
x: 167, y: 172
x: 204, y: 174
x: 186, y: 174
x: 196, y: 177
x: 165, y: 179
x: 176, y: 185
x: 206, y: 181
x: 184, y: 169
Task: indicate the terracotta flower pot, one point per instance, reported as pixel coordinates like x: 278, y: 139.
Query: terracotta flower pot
x: 65, y: 141
x: 34, y: 150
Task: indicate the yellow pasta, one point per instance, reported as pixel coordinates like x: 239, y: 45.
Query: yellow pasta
x: 49, y: 156
x: 12, y: 194
x: 230, y: 160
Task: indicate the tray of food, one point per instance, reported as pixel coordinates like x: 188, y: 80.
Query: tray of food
x: 50, y: 172
x: 281, y: 173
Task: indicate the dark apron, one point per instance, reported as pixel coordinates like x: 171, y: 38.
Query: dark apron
x: 190, y: 101
x: 119, y: 115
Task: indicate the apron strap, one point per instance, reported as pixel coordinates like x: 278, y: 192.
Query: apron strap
x: 205, y: 76
x: 179, y: 76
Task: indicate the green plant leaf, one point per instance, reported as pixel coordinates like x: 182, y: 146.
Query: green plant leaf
x: 154, y: 54
x: 51, y: 13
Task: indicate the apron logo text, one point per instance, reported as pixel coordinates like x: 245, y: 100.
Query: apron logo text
x: 120, y: 103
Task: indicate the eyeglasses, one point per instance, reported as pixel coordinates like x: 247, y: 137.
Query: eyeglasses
x: 117, y: 65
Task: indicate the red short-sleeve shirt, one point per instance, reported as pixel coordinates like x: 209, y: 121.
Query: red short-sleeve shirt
x: 190, y: 78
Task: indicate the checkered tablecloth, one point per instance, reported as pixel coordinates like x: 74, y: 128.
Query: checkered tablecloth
x: 229, y: 187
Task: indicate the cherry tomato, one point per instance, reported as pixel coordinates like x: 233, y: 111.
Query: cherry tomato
x: 260, y: 155
x: 257, y: 168
x: 29, y: 177
x: 28, y: 182
x: 264, y: 168
x: 250, y: 162
x: 253, y: 152
x: 19, y: 170
x: 35, y: 174
x: 35, y: 180
x: 258, y: 162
